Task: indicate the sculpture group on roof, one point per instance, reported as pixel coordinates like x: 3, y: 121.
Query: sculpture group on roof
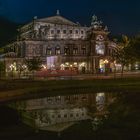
x: 97, y: 24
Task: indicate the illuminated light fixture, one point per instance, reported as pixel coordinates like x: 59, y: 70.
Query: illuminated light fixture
x: 52, y: 65
x: 136, y: 66
x: 70, y: 65
x: 67, y: 63
x: 82, y: 64
x: 62, y: 65
x: 100, y: 94
x: 12, y: 67
x: 75, y: 63
x: 24, y: 67
x: 106, y: 61
x: 44, y: 67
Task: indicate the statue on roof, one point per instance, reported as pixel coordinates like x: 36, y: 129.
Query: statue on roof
x: 94, y: 19
x: 96, y: 23
x: 100, y: 22
x: 35, y: 18
x: 106, y: 28
x: 57, y: 12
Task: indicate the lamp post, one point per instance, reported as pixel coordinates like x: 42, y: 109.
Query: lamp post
x: 71, y: 70
x: 106, y: 66
x: 12, y: 68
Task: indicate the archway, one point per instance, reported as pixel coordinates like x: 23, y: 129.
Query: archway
x: 102, y: 66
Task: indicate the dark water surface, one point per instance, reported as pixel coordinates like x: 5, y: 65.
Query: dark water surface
x: 100, y: 116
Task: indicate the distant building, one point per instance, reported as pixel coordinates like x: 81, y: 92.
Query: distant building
x: 62, y: 45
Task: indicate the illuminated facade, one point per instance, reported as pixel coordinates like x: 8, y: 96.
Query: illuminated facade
x: 62, y: 45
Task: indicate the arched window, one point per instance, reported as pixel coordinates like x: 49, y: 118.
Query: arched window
x: 66, y: 50
x: 57, y: 50
x: 83, y: 49
x: 48, y: 51
x: 75, y: 50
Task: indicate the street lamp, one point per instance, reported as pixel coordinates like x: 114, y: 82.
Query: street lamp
x: 71, y: 70
x: 44, y: 67
x: 106, y: 63
x: 12, y: 69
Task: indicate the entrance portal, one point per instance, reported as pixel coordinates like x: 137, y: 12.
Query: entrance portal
x: 102, y: 66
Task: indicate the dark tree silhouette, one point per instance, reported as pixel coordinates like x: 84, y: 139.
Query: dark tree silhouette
x: 33, y: 64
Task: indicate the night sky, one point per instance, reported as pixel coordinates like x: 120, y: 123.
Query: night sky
x: 121, y: 16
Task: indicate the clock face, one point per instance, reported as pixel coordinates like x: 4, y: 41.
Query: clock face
x: 100, y: 38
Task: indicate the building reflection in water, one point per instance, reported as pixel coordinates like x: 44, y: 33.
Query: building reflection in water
x: 100, y: 101
x: 60, y: 112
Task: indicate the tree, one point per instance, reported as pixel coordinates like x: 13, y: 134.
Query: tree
x: 135, y: 44
x: 33, y: 64
x: 124, y: 53
x: 20, y: 69
x: 2, y: 69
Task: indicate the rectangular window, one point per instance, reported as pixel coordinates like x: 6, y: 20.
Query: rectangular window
x: 58, y: 31
x: 57, y: 99
x: 77, y: 115
x: 70, y: 31
x: 66, y: 51
x: 49, y: 99
x: 76, y: 32
x: 71, y: 115
x: 57, y: 51
x: 52, y: 31
x: 64, y: 31
x: 67, y: 98
x: 75, y: 51
x: 83, y: 51
x: 83, y: 114
x: 49, y: 52
x: 65, y: 116
x: 82, y: 32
